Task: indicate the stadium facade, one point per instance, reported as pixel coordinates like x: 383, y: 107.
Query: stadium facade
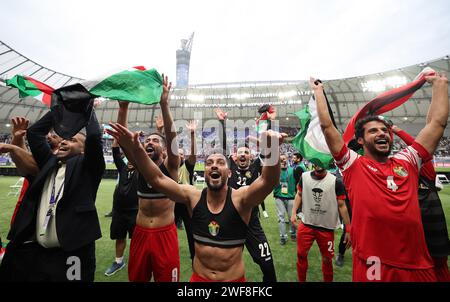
x: 240, y: 99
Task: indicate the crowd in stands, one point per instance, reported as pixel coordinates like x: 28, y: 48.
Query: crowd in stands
x: 442, y: 151
x: 290, y: 131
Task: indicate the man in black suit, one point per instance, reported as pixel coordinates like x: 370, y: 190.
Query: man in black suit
x: 53, y: 235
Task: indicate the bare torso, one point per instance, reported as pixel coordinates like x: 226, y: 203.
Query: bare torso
x: 155, y: 213
x: 219, y: 264
x: 215, y: 263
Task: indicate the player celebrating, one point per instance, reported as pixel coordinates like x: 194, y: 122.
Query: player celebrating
x: 220, y: 215
x: 321, y: 196
x: 244, y: 173
x: 387, y: 233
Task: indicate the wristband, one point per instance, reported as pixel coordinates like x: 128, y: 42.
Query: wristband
x: 348, y: 228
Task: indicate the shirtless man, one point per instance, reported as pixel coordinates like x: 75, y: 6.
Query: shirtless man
x: 244, y: 173
x: 220, y: 214
x: 154, y: 246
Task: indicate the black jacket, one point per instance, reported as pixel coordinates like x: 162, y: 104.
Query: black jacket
x: 77, y: 222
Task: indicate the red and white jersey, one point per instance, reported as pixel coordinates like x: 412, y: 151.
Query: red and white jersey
x: 386, y: 220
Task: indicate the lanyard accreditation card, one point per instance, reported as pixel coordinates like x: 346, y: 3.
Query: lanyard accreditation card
x: 52, y: 204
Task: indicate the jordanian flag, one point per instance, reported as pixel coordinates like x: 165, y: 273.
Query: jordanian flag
x: 28, y: 86
x: 387, y: 101
x: 137, y: 85
x: 310, y: 141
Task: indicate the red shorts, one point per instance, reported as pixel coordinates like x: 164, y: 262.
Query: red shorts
x: 196, y: 278
x: 154, y: 252
x: 305, y: 239
x: 379, y: 272
x: 307, y: 235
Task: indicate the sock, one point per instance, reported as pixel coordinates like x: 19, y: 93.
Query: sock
x: 119, y: 260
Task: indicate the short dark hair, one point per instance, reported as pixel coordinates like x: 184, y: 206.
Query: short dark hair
x: 298, y: 155
x: 163, y: 139
x: 359, y: 126
x: 218, y: 151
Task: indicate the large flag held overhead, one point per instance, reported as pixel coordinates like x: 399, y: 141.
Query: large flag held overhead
x: 137, y: 85
x: 28, y: 86
x: 310, y: 141
x: 386, y: 101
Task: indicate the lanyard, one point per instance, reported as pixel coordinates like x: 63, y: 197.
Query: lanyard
x: 52, y: 203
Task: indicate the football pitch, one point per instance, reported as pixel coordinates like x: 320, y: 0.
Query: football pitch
x: 284, y: 256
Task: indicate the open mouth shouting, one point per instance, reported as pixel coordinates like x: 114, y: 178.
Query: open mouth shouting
x: 150, y: 150
x: 63, y: 148
x: 382, y: 143
x: 215, y: 175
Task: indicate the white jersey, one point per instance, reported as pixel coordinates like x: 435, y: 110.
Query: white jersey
x: 319, y: 201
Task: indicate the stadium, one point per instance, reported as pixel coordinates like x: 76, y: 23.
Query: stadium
x: 241, y: 100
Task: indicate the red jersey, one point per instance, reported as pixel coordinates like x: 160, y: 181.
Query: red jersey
x: 386, y: 220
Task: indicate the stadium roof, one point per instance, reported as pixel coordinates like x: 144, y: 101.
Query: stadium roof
x: 240, y: 99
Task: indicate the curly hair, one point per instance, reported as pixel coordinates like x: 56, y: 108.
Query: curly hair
x: 359, y: 126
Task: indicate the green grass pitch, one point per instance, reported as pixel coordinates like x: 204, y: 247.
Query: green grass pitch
x: 284, y: 256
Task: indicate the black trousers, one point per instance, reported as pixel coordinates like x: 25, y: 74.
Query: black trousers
x: 342, y: 245
x: 122, y: 222
x: 31, y: 262
x: 434, y: 223
x: 182, y: 213
x: 258, y: 247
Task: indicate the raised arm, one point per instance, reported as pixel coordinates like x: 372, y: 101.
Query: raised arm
x: 403, y: 135
x: 147, y: 168
x: 122, y: 119
x: 159, y: 123
x: 437, y: 116
x: 192, y: 158
x: 332, y: 136
x: 172, y: 161
x: 93, y: 151
x: 427, y: 169
x: 118, y: 160
x: 19, y: 130
x: 122, y: 115
x: 22, y: 158
x: 255, y: 194
x: 222, y: 116
x: 24, y: 161
x: 37, y: 139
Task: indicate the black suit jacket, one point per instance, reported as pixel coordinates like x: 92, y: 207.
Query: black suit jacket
x: 77, y: 221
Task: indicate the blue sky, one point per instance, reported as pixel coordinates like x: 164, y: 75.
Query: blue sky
x: 234, y: 40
